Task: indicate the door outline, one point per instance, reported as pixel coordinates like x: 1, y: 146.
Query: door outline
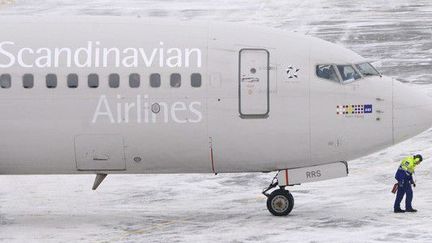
x: 78, y: 163
x: 257, y: 116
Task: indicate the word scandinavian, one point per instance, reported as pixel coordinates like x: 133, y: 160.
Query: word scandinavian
x: 94, y: 55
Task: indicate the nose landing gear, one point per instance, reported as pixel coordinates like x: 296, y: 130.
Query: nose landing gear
x: 280, y: 202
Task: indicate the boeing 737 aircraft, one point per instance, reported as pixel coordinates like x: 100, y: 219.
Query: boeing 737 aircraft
x: 93, y: 95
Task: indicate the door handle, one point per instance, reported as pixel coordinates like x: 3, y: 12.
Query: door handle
x: 101, y: 157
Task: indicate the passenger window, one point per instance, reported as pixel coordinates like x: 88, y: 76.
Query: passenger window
x: 134, y: 80
x: 93, y: 81
x: 5, y: 81
x: 327, y: 72
x: 114, y: 80
x: 51, y: 81
x: 28, y: 81
x: 366, y: 69
x: 196, y: 80
x: 72, y: 80
x: 348, y: 73
x: 175, y: 80
x: 155, y: 80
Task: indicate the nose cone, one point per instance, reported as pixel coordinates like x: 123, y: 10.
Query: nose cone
x: 412, y: 111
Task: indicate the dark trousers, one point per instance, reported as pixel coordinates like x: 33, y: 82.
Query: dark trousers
x: 402, y: 190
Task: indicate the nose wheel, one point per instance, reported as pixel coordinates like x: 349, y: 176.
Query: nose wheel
x: 280, y: 202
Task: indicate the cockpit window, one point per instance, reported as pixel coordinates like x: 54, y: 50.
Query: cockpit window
x: 327, y: 72
x: 348, y: 73
x: 366, y: 69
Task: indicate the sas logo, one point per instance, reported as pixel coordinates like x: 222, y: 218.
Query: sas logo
x: 353, y: 109
x: 292, y: 72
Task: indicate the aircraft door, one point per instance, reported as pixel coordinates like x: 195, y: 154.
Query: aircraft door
x: 254, y: 84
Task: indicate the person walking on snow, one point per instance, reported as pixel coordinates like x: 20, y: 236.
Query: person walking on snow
x: 404, y: 176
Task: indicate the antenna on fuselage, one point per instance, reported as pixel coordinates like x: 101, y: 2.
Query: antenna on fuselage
x: 98, y: 180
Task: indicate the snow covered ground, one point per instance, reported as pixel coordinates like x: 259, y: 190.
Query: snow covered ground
x: 230, y: 208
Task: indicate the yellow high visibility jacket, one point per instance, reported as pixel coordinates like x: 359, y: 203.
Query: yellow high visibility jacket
x: 409, y: 164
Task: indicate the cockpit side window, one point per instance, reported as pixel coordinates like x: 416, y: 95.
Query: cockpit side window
x: 327, y: 72
x: 366, y: 69
x: 348, y: 73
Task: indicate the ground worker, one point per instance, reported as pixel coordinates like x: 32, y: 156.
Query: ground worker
x: 404, y: 176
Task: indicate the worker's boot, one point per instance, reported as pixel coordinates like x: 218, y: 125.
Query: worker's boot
x: 411, y: 210
x: 398, y: 210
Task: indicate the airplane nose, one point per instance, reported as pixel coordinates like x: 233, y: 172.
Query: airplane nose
x: 412, y: 111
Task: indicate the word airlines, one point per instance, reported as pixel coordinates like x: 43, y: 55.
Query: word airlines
x: 94, y: 55
x: 142, y: 111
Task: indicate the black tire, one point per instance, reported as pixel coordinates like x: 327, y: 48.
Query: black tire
x: 280, y: 202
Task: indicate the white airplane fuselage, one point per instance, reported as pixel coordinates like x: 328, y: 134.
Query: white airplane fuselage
x: 260, y: 106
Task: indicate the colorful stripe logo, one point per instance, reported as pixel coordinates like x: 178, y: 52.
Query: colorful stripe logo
x: 353, y: 109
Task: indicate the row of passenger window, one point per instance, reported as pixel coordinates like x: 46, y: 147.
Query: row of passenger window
x: 93, y: 80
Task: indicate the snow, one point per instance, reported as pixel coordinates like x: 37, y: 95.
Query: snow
x: 230, y: 208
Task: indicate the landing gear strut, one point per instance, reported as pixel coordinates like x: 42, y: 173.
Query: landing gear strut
x: 280, y: 202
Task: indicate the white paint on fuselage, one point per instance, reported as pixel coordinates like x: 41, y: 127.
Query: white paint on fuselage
x: 40, y: 127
